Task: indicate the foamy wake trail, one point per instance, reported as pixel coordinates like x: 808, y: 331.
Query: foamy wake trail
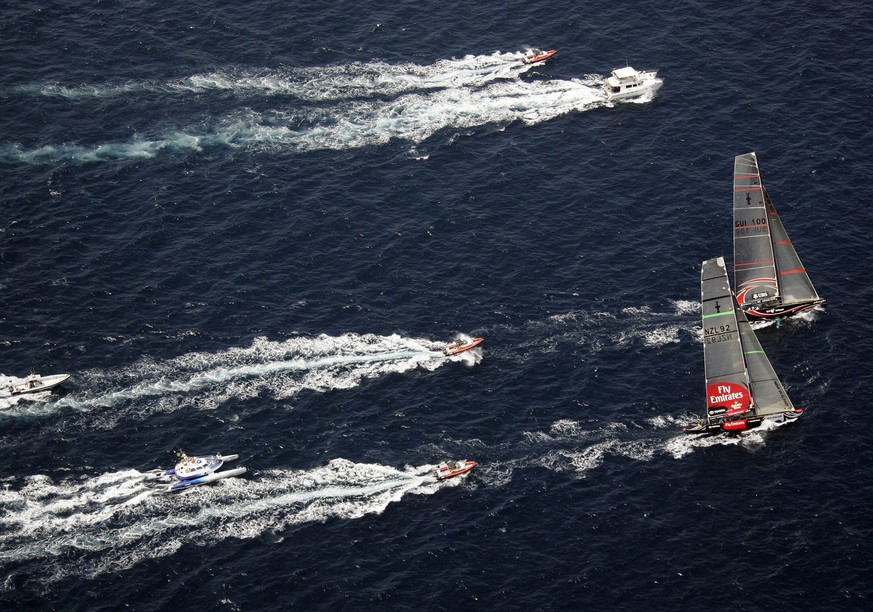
x: 43, y: 523
x: 208, y: 379
x: 599, y: 330
x: 578, y: 448
x: 110, y: 522
x: 317, y: 83
x: 412, y: 117
x: 341, y: 107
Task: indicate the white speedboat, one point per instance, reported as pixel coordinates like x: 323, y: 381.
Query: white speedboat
x: 629, y: 83
x: 193, y: 471
x: 36, y: 383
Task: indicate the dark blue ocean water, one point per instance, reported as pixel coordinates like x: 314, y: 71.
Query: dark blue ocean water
x: 249, y: 228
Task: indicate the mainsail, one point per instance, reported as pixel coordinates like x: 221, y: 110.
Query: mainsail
x: 727, y: 380
x: 742, y: 388
x: 769, y: 277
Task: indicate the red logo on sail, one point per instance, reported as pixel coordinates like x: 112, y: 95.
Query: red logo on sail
x: 756, y: 290
x: 727, y: 399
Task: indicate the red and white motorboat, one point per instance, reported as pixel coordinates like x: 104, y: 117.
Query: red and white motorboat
x: 460, y: 345
x: 535, y: 56
x: 450, y: 469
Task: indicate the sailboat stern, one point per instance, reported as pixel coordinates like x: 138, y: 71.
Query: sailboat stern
x: 742, y: 424
x: 781, y: 310
x: 753, y: 422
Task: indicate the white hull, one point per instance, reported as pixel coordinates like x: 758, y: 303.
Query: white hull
x: 194, y: 482
x: 37, y: 384
x: 636, y: 93
x: 626, y: 83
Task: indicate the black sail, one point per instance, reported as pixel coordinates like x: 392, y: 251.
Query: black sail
x: 727, y: 379
x: 740, y: 381
x: 794, y: 284
x: 769, y: 277
x: 754, y: 261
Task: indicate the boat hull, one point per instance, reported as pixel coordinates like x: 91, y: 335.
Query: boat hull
x: 778, y: 312
x: 208, y: 464
x: 642, y: 90
x: 456, y: 349
x: 193, y: 471
x: 737, y: 425
x: 626, y: 83
x: 453, y: 469
x: 540, y: 57
x: 38, y: 385
x: 202, y: 480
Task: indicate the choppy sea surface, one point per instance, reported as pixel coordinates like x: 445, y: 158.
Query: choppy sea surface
x: 251, y: 227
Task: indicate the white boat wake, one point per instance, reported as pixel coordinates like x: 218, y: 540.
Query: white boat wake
x: 593, y: 331
x: 115, y: 520
x: 207, y: 380
x: 318, y: 83
x: 341, y: 107
x: 578, y: 448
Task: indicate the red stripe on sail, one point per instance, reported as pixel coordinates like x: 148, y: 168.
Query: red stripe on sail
x: 783, y: 242
x: 799, y: 271
x: 752, y: 188
x: 746, y: 176
x: 753, y: 263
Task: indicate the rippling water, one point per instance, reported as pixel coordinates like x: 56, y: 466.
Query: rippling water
x: 252, y: 228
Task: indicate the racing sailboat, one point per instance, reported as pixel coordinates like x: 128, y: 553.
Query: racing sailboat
x: 742, y: 389
x: 769, y: 278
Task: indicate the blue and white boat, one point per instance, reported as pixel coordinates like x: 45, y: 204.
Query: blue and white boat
x: 193, y: 471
